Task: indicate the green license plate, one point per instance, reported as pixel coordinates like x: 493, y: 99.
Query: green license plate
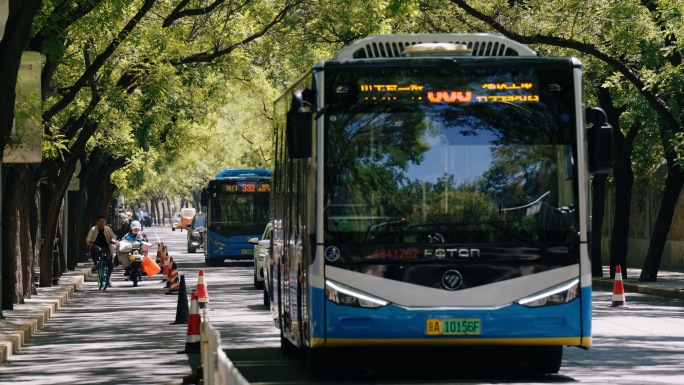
x: 453, y: 327
x: 247, y: 251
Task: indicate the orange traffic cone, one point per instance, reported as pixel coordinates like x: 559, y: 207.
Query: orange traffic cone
x: 618, y: 289
x: 165, y: 266
x: 160, y: 250
x: 168, y: 277
x: 202, y: 292
x: 192, y: 342
x: 174, y: 284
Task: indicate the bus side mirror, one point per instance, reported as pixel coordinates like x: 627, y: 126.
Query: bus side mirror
x: 299, y: 128
x: 600, y: 141
x: 204, y: 197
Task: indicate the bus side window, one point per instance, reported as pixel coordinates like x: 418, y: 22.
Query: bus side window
x: 300, y: 125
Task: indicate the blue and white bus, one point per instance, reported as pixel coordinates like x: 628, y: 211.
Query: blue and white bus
x: 237, y: 209
x: 433, y: 190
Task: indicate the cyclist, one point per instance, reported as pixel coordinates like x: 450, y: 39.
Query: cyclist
x: 102, y: 235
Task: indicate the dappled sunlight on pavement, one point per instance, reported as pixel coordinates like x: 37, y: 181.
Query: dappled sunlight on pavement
x: 120, y: 336
x: 124, y: 335
x: 641, y: 343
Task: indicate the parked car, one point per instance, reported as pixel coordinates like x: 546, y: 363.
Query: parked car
x: 196, y: 233
x: 262, y: 248
x: 175, y: 220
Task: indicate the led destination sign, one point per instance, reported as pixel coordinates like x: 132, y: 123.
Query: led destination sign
x: 487, y: 93
x: 248, y: 187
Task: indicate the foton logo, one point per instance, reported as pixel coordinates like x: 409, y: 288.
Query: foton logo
x: 451, y: 253
x: 449, y: 97
x: 452, y: 280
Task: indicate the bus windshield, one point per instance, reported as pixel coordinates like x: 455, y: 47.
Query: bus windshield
x: 240, y: 202
x: 450, y: 155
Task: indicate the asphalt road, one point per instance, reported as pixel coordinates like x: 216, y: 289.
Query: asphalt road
x: 125, y: 336
x: 640, y: 344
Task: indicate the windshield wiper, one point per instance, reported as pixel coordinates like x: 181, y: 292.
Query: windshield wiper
x: 375, y: 230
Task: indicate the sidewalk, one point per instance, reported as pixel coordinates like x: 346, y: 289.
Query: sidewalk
x: 670, y: 284
x: 25, y: 319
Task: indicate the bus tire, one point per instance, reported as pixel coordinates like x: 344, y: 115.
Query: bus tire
x: 287, y: 347
x: 545, y: 359
x: 213, y: 262
x: 318, y: 361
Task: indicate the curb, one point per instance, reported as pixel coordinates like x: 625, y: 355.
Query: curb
x: 641, y: 289
x: 22, y: 323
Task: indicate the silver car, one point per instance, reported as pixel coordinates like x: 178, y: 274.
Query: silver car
x: 262, y: 248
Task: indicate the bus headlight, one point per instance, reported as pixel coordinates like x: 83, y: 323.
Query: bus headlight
x: 556, y: 295
x: 345, y: 295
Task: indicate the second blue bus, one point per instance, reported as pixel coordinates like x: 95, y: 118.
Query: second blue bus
x: 237, y: 209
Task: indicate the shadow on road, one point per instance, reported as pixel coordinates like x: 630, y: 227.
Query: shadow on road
x: 414, y: 365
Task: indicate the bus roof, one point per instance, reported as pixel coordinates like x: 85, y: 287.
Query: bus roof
x: 232, y: 173
x: 387, y: 46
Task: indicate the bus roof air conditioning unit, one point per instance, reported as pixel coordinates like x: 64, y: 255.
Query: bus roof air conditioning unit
x: 235, y: 173
x: 387, y: 46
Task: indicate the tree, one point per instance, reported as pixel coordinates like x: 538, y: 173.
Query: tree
x: 91, y: 86
x: 644, y: 49
x: 14, y: 241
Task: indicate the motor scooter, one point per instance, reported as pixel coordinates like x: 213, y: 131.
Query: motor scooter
x: 131, y: 256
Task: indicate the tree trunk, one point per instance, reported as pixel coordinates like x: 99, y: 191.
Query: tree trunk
x: 155, y: 211
x: 196, y: 199
x: 11, y: 246
x: 624, y: 180
x: 661, y: 229
x: 73, y: 235
x: 52, y: 193
x: 50, y: 206
x: 598, y: 206
x: 28, y: 267
x: 168, y: 206
x: 96, y: 190
x: 60, y: 245
x: 15, y: 37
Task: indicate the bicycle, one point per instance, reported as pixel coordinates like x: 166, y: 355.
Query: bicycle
x: 101, y: 267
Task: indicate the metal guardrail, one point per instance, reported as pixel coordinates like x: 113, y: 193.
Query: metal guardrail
x: 217, y: 368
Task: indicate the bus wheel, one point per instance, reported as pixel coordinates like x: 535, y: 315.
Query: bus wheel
x: 545, y: 359
x: 286, y: 346
x: 213, y: 262
x: 318, y: 361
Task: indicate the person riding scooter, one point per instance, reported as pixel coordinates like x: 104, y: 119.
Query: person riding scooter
x: 135, y: 235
